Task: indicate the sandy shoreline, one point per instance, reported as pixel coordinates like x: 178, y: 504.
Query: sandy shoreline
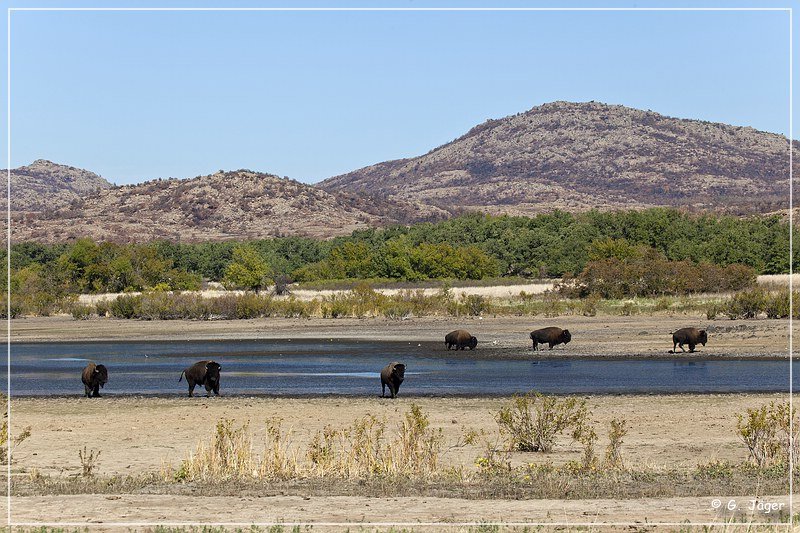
x: 499, y: 337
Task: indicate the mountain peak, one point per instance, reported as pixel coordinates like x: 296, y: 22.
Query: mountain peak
x: 585, y: 155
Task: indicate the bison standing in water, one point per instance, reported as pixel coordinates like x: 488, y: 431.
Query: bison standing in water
x: 690, y: 336
x: 203, y: 373
x: 93, y: 377
x: 393, y: 375
x: 552, y: 336
x: 461, y: 339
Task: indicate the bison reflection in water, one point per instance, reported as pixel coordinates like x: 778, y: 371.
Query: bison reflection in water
x: 552, y: 336
x: 93, y: 377
x: 461, y: 339
x: 690, y: 336
x: 203, y: 373
x: 393, y: 375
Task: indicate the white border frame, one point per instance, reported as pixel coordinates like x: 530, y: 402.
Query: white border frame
x: 9, y: 521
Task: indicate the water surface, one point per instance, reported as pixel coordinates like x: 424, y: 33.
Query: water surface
x: 320, y: 367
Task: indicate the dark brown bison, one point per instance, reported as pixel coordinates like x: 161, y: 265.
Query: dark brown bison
x: 690, y: 336
x: 552, y: 336
x: 461, y: 339
x: 393, y: 375
x: 203, y: 373
x: 93, y: 377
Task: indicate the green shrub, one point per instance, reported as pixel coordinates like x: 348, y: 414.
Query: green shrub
x: 124, y: 306
x: 712, y: 310
x: 771, y: 433
x: 588, y: 306
x: 531, y: 422
x: 475, y: 304
x: 776, y: 305
x: 746, y: 304
x: 81, y: 312
x: 102, y: 307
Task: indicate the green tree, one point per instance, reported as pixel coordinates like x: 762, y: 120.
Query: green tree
x: 247, y: 270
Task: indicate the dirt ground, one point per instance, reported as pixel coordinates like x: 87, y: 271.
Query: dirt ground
x: 599, y: 336
x: 136, y: 435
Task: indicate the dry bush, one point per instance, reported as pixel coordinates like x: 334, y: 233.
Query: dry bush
x: 89, y: 460
x: 614, y: 449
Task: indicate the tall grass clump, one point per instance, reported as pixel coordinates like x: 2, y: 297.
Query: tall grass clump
x: 363, y: 450
x: 228, y: 455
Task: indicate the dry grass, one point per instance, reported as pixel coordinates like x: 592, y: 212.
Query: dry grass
x: 359, y: 451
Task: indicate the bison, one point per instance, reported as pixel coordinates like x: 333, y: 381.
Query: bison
x: 461, y: 339
x: 393, y: 375
x: 690, y: 336
x: 203, y: 373
x: 93, y: 377
x: 552, y: 336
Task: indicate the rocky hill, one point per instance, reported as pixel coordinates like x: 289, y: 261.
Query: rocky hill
x: 46, y: 186
x: 240, y: 204
x: 577, y: 156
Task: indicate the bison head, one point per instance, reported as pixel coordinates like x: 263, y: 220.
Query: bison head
x: 399, y: 371
x: 101, y: 374
x: 565, y: 336
x: 212, y: 371
x: 703, y: 338
x: 473, y: 342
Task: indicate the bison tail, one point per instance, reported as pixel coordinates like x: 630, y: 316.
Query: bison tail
x: 180, y: 378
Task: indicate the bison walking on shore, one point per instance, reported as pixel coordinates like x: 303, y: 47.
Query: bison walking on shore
x: 461, y: 339
x: 93, y: 377
x: 203, y: 373
x: 690, y: 336
x: 552, y: 336
x: 393, y: 375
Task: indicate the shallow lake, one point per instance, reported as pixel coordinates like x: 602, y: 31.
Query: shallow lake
x: 318, y: 367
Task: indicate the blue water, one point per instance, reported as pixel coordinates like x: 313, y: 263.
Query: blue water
x: 319, y: 367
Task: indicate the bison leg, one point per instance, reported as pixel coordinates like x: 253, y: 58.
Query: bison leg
x: 551, y: 345
x: 191, y: 387
x: 680, y: 345
x: 87, y: 391
x: 383, y: 389
x: 691, y: 348
x: 96, y: 391
x: 209, y: 388
x: 535, y: 346
x: 392, y: 390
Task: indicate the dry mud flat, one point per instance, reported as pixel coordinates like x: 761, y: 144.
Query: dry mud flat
x: 599, y: 336
x: 137, y: 435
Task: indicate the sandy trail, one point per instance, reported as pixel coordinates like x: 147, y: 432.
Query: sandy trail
x: 338, y: 511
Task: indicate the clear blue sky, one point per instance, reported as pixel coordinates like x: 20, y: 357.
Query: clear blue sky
x: 139, y: 95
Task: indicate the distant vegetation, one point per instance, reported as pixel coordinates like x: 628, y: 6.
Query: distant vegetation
x: 613, y: 255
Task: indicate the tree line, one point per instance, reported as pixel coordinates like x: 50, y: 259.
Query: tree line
x: 471, y: 246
